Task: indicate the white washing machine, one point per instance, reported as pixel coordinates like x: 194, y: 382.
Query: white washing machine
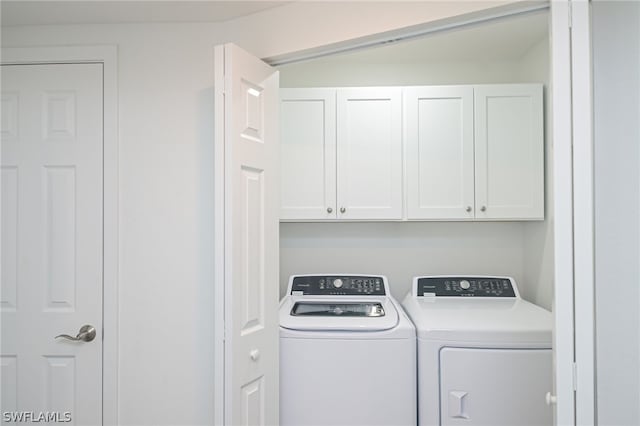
x: 484, y: 354
x: 347, y: 353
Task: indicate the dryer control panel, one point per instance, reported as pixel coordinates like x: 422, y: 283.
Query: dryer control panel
x: 465, y: 286
x: 332, y: 285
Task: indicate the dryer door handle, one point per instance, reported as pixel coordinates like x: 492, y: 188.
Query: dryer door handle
x: 457, y: 405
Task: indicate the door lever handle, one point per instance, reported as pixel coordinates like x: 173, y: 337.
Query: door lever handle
x: 86, y: 334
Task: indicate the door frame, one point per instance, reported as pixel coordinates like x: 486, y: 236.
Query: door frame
x: 107, y: 56
x: 563, y: 304
x: 583, y: 214
x: 219, y: 257
x: 568, y: 126
x: 565, y: 129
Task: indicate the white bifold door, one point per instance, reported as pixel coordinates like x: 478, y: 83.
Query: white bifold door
x: 52, y: 137
x: 247, y: 244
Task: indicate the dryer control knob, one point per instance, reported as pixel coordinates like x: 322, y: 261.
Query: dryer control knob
x: 337, y: 283
x: 464, y: 284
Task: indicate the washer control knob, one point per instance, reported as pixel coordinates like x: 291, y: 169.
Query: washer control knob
x: 337, y: 283
x: 464, y: 284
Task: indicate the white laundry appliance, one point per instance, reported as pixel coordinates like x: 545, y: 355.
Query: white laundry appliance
x: 347, y: 353
x: 484, y: 354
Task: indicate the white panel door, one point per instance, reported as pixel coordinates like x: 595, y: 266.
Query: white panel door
x: 249, y: 244
x: 439, y: 143
x: 369, y: 153
x: 496, y: 387
x: 509, y: 144
x: 52, y: 139
x: 308, y: 154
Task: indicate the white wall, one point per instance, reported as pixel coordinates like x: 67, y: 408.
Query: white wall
x: 165, y: 74
x: 335, y: 73
x: 166, y: 209
x: 538, y: 236
x: 616, y: 80
x: 401, y: 250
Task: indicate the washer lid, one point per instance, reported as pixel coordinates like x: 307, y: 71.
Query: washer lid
x: 337, y: 314
x: 460, y: 319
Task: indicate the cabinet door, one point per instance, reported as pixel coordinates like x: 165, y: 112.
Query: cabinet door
x: 369, y: 153
x: 308, y: 154
x: 439, y: 143
x: 509, y: 146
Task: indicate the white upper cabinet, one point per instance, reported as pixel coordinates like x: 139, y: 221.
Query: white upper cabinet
x: 341, y: 154
x: 439, y: 144
x: 509, y: 152
x: 369, y: 153
x: 308, y: 153
x: 470, y: 153
x: 475, y: 152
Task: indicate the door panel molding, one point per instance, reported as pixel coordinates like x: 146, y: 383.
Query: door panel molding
x: 107, y: 56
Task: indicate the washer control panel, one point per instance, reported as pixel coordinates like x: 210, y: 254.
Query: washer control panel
x: 332, y: 285
x: 465, y: 286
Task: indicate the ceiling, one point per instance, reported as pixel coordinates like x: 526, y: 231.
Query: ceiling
x: 28, y: 12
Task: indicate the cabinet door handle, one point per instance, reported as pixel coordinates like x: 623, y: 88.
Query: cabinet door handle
x: 483, y: 208
x: 468, y: 209
x: 329, y: 210
x: 342, y: 210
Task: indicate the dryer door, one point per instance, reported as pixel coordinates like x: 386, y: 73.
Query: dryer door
x: 497, y: 387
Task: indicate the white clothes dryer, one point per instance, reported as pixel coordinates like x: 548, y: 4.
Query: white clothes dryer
x: 484, y: 354
x: 347, y: 353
